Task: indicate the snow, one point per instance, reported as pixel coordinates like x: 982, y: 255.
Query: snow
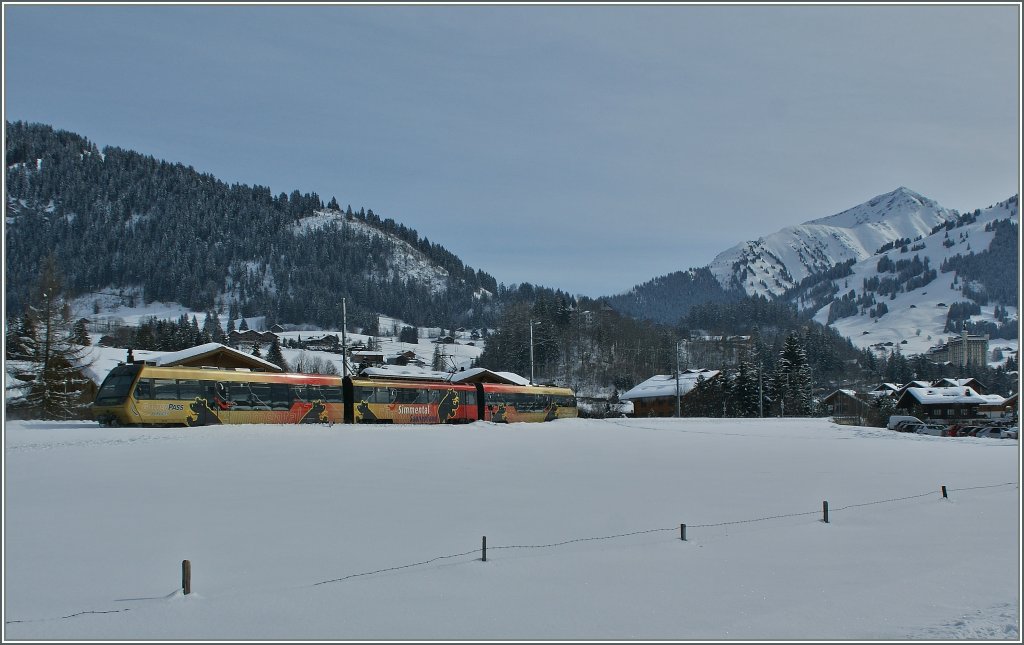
x: 375, y: 533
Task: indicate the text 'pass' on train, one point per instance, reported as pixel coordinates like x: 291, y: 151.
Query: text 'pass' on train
x: 142, y: 394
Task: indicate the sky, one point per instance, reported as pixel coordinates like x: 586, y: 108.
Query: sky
x: 349, y: 533
x: 537, y: 141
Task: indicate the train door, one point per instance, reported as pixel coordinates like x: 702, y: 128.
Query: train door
x: 480, y: 405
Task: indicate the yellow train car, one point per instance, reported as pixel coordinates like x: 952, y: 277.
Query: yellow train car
x: 142, y: 394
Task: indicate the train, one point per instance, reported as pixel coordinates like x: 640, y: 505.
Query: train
x: 144, y: 394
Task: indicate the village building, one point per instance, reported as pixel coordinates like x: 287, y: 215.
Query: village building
x: 885, y: 389
x: 965, y: 350
x: 948, y: 404
x: 1005, y: 410
x: 846, y: 407
x: 656, y: 397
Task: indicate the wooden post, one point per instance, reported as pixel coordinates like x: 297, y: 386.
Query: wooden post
x: 483, y: 549
x: 944, y: 496
x: 682, y: 532
x: 824, y: 511
x: 186, y: 576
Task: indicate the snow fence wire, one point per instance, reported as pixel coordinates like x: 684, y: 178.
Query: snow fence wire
x: 657, y: 530
x: 583, y: 539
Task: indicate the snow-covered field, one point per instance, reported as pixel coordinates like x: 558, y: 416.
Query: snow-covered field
x: 281, y: 522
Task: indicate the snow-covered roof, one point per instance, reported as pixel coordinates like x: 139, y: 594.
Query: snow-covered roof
x: 407, y: 372
x: 665, y: 384
x: 462, y: 376
x: 955, y: 382
x: 950, y: 395
x: 175, y: 358
x: 475, y: 374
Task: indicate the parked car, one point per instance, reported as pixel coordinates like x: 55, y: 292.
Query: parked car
x: 908, y: 426
x: 1010, y: 433
x: 897, y: 419
x: 934, y: 430
x: 990, y: 432
x: 968, y: 431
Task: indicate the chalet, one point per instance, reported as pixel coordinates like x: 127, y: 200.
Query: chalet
x: 884, y: 389
x: 404, y: 358
x: 656, y: 397
x: 328, y: 343
x: 942, y: 403
x: 249, y: 336
x: 846, y: 407
x: 367, y: 358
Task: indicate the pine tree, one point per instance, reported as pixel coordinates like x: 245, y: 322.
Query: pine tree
x: 50, y: 352
x: 256, y: 350
x: 80, y: 334
x: 275, y: 356
x: 793, y: 379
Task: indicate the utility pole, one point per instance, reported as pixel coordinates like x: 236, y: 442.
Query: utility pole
x: 344, y: 323
x: 531, y: 352
x: 760, y: 391
x: 677, y: 379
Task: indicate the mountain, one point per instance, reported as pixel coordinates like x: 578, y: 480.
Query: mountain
x: 778, y: 262
x: 126, y: 223
x: 898, y: 271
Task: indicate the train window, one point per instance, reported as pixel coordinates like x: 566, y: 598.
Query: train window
x: 189, y: 390
x: 299, y: 392
x: 114, y: 389
x: 468, y: 398
x: 331, y: 394
x: 259, y: 394
x: 164, y: 389
x: 280, y: 396
x: 144, y: 389
x: 411, y: 395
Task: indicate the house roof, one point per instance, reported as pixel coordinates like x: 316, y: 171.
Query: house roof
x: 850, y: 393
x: 662, y: 385
x: 215, y: 355
x: 948, y: 395
x: 473, y: 375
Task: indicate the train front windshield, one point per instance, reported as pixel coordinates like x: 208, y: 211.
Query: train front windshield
x: 117, y: 385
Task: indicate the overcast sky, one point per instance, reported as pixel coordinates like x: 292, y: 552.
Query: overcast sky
x: 587, y: 148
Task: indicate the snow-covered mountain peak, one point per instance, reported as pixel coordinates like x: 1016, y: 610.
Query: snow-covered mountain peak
x: 774, y: 263
x: 899, y: 203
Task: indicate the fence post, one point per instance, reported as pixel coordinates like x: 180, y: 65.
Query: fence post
x: 944, y: 496
x: 682, y: 532
x: 483, y: 549
x: 824, y: 510
x: 186, y: 576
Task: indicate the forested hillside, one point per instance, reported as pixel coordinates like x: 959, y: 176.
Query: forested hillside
x: 117, y: 219
x: 668, y: 298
